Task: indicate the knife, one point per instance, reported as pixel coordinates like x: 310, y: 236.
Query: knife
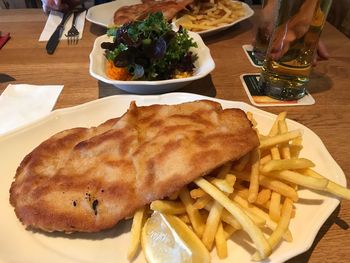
x: 6, y: 78
x: 55, y: 37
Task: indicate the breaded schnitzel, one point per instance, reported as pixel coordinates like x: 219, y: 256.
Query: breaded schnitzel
x: 87, y: 179
x: 169, y: 8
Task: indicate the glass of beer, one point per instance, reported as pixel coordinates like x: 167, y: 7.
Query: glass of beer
x: 265, y: 23
x: 288, y: 62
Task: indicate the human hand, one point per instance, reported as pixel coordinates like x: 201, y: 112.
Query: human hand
x: 278, y: 50
x: 294, y: 28
x: 322, y: 53
x: 60, y: 5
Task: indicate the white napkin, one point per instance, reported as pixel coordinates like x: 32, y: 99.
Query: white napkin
x: 21, y: 104
x: 54, y: 20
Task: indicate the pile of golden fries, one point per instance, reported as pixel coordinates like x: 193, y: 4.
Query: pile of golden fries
x: 252, y: 194
x: 203, y: 15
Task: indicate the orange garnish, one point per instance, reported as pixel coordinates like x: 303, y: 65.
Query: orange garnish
x: 117, y: 73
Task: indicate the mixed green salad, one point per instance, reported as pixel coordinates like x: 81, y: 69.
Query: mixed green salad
x: 150, y: 49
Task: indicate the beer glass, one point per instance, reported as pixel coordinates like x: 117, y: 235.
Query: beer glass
x: 264, y: 27
x: 288, y: 62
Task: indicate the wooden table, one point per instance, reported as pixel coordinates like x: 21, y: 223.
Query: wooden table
x: 25, y: 59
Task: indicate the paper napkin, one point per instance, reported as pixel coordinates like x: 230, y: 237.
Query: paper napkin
x: 54, y: 20
x: 21, y: 104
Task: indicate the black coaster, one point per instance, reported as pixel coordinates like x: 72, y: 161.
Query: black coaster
x: 257, y: 96
x: 248, y: 50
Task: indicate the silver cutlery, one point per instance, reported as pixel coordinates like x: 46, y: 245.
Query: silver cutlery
x: 55, y: 37
x: 73, y: 34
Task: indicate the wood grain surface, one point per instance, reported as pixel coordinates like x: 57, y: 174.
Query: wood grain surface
x: 26, y: 60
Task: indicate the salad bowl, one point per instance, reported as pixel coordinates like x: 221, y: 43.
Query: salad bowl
x: 203, y: 66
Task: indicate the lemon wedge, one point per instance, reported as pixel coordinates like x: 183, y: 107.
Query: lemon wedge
x: 165, y: 238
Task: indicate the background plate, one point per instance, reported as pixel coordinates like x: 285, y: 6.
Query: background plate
x: 20, y: 245
x: 103, y: 15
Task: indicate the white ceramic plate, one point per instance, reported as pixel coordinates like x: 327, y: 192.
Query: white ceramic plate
x: 20, y: 245
x: 103, y: 14
x: 203, y: 66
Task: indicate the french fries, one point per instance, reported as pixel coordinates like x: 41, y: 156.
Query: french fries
x: 331, y: 187
x: 212, y: 225
x: 136, y: 233
x: 254, y: 176
x: 274, y: 185
x: 203, y: 15
x: 279, y: 139
x: 274, y: 207
x: 281, y: 228
x: 220, y: 241
x: 286, y: 164
x: 300, y: 179
x: 193, y: 214
x: 247, y: 224
x: 168, y: 207
x: 201, y: 202
x: 263, y: 196
x: 253, y: 194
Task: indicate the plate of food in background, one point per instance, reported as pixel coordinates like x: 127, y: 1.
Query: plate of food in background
x: 203, y: 17
x: 124, y: 11
x: 148, y: 57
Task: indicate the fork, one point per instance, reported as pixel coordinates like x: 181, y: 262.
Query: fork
x: 73, y: 34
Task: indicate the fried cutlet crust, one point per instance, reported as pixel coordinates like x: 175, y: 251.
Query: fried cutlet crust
x: 131, y: 13
x: 87, y: 179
